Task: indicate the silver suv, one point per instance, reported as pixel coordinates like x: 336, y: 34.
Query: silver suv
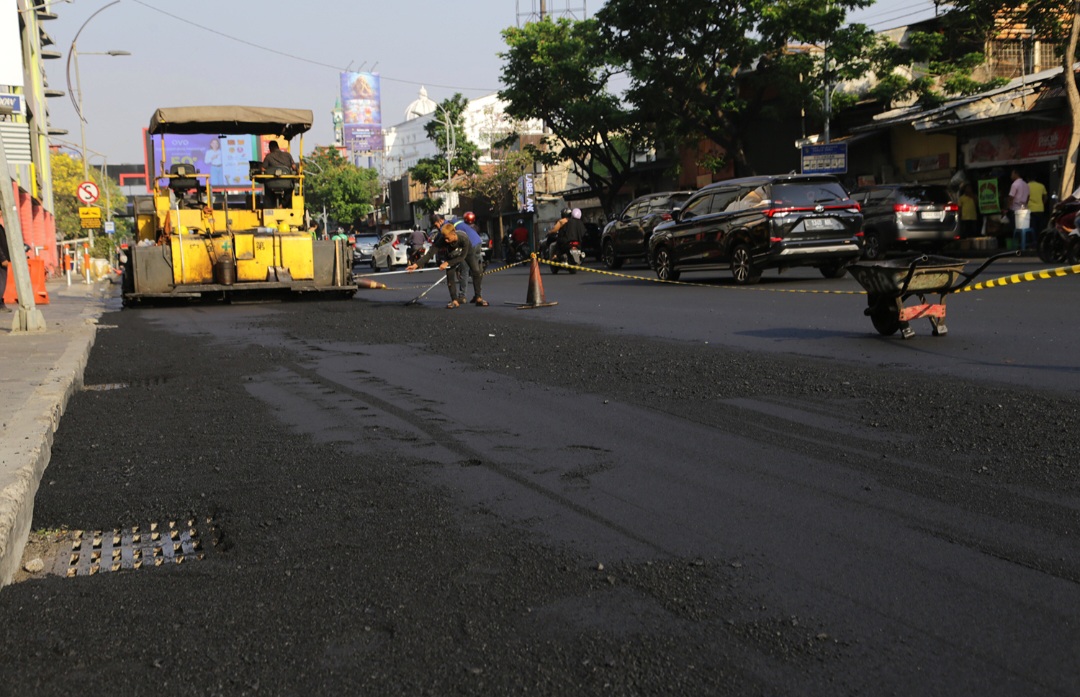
x: 903, y: 216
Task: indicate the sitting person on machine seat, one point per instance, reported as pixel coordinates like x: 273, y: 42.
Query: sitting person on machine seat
x: 278, y: 192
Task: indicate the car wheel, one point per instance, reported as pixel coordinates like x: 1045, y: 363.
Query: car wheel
x: 374, y: 266
x: 873, y: 248
x: 389, y: 263
x: 665, y: 265
x: 742, y: 265
x: 610, y: 260
x: 833, y: 270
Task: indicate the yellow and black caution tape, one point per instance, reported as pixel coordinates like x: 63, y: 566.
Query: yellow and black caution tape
x: 1028, y: 277
x: 1042, y: 275
x: 506, y: 266
x: 698, y: 285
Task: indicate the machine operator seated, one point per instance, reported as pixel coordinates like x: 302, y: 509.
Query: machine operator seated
x: 277, y: 168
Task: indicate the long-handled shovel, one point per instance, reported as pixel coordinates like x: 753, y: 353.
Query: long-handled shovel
x: 416, y: 300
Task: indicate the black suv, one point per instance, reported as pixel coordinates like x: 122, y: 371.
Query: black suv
x: 761, y: 222
x: 906, y: 216
x: 628, y: 235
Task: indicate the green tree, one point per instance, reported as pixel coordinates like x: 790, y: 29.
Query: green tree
x: 558, y: 72
x: 346, y: 191
x: 498, y: 184
x: 701, y: 69
x: 67, y: 174
x: 464, y: 160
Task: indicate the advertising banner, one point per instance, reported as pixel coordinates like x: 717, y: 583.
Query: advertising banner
x: 224, y: 158
x: 361, y: 104
x: 989, y: 198
x: 1013, y: 148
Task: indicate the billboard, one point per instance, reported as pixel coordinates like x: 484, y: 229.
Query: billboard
x: 361, y: 104
x: 224, y: 158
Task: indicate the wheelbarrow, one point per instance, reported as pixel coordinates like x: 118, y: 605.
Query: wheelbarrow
x: 889, y: 284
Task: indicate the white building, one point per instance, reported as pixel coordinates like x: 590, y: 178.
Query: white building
x: 485, y: 123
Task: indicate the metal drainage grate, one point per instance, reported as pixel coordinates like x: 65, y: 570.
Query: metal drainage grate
x: 105, y: 387
x: 91, y: 552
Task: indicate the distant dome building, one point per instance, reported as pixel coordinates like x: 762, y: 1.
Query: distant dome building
x: 422, y: 106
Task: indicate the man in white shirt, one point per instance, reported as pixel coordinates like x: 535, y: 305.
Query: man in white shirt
x: 1018, y: 193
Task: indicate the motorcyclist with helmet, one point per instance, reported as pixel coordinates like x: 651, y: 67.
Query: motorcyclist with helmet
x: 570, y: 231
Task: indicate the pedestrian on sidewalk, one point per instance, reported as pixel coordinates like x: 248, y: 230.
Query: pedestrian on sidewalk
x: 5, y: 264
x: 969, y: 212
x: 1037, y: 196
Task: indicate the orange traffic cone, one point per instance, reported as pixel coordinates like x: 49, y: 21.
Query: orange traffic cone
x: 535, y: 296
x: 367, y: 283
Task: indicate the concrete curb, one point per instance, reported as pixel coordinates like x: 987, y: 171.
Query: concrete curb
x: 26, y: 441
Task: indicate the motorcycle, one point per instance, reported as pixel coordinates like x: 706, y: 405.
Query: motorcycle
x: 517, y: 251
x: 572, y: 257
x: 1060, y: 241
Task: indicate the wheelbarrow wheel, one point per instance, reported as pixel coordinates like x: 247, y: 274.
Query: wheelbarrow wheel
x: 885, y: 316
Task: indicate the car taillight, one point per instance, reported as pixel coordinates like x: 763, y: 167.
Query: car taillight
x: 952, y: 207
x: 394, y: 244
x: 665, y: 216
x: 904, y: 208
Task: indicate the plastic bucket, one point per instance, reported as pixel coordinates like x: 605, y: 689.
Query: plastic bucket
x: 1023, y: 219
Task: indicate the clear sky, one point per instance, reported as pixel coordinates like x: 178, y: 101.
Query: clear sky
x: 289, y: 54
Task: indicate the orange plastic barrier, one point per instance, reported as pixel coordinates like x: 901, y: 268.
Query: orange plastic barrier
x: 37, y: 281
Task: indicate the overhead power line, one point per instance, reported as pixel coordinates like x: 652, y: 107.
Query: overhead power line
x: 302, y: 59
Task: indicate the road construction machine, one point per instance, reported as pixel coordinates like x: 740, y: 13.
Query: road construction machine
x: 200, y: 235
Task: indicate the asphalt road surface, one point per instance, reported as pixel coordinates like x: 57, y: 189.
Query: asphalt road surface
x: 644, y: 490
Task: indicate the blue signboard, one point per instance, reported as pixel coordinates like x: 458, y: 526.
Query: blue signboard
x: 12, y: 100
x: 824, y: 159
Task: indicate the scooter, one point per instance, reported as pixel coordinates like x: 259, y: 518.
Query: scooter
x: 516, y: 251
x: 573, y: 258
x: 1060, y: 241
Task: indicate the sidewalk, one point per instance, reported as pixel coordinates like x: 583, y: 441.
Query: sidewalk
x: 38, y: 374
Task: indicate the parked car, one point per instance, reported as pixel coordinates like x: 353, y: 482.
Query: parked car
x: 906, y: 216
x: 760, y: 222
x: 392, y: 250
x: 627, y: 236
x: 364, y: 247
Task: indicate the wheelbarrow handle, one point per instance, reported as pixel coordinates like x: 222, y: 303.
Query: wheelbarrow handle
x: 968, y: 278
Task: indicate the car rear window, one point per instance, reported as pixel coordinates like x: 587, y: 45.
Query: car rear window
x: 808, y: 193
x: 924, y: 194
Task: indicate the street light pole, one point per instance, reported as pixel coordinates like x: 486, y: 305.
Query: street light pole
x: 451, y: 148
x: 73, y: 56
